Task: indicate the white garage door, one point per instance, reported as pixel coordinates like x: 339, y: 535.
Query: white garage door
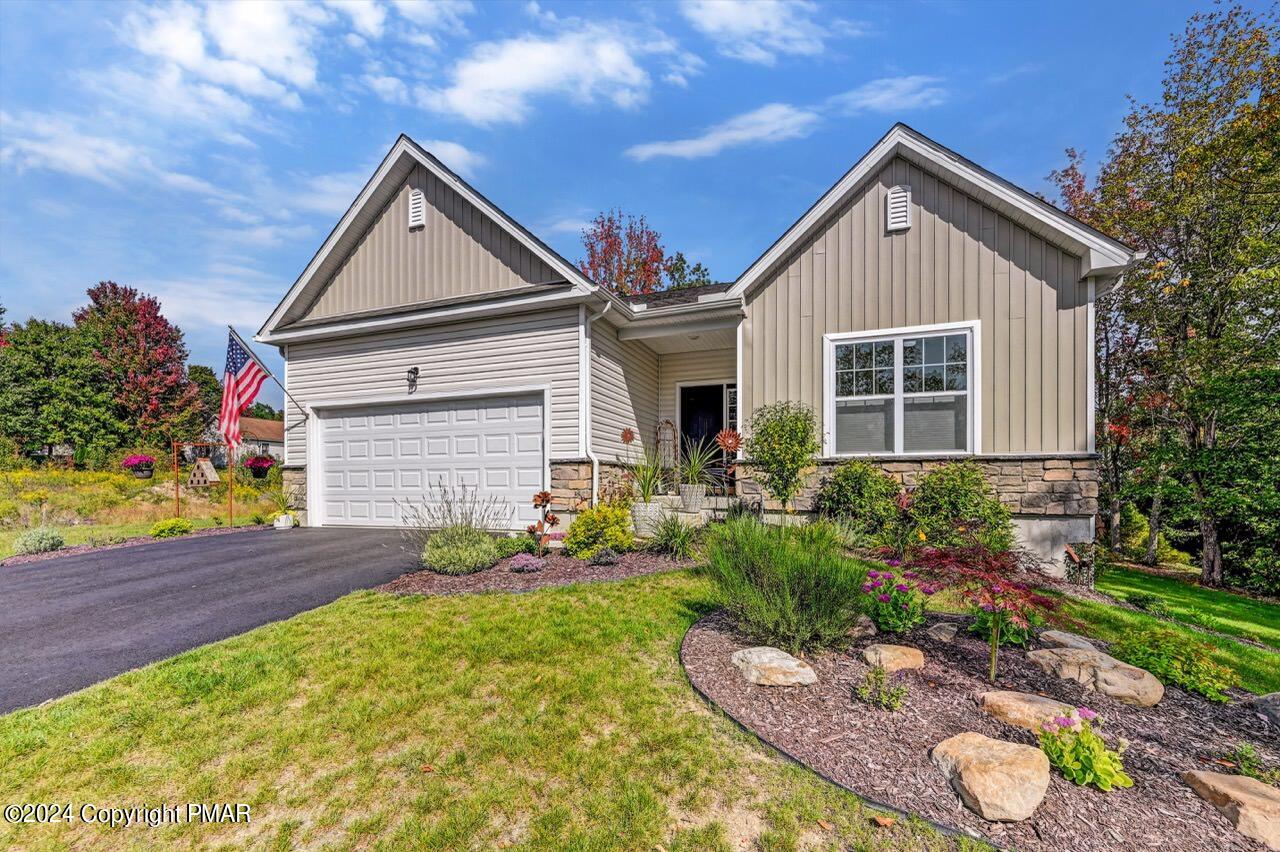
x: 376, y: 459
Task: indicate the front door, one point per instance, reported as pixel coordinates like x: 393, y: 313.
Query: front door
x: 701, y: 413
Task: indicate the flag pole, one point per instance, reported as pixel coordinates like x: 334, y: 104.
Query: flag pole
x: 231, y: 487
x: 254, y: 356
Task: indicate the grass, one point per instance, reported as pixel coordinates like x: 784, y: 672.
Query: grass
x: 1229, y: 613
x: 103, y: 533
x: 558, y: 719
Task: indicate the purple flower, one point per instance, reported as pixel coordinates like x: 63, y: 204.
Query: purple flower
x: 867, y: 587
x: 988, y: 608
x: 1063, y: 722
x: 893, y: 563
x: 906, y: 605
x: 903, y: 587
x: 882, y: 598
x: 928, y: 590
x: 910, y: 575
x: 1087, y: 714
x: 888, y: 575
x: 873, y: 574
x: 875, y: 584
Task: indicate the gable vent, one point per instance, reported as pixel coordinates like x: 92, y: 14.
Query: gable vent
x: 417, y: 209
x: 897, y: 208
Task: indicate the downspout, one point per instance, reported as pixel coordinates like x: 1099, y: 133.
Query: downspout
x: 585, y: 378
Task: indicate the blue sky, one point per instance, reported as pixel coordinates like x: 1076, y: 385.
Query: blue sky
x: 202, y: 153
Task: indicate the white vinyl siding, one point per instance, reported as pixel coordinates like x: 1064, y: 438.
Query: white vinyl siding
x: 533, y: 349
x: 712, y: 367
x: 624, y: 392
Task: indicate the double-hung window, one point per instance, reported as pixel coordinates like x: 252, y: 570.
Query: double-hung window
x: 906, y: 391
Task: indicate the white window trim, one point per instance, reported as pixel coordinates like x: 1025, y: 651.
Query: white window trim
x: 974, y: 392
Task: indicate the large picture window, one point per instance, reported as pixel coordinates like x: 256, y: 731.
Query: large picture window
x: 902, y: 391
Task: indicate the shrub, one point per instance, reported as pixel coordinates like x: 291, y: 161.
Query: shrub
x: 1148, y: 602
x: 1081, y: 755
x: 781, y: 448
x: 1134, y: 532
x: 603, y: 525
x: 740, y: 507
x: 39, y: 540
x: 790, y: 587
x: 511, y: 545
x: 860, y: 496
x: 172, y: 528
x: 444, y: 507
x: 1174, y: 657
x: 1249, y: 764
x: 674, y: 538
x: 604, y: 556
x: 880, y: 689
x: 527, y: 563
x: 895, y: 602
x: 953, y: 505
x: 460, y: 550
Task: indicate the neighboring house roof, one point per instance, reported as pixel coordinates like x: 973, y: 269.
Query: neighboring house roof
x: 258, y: 429
x: 1100, y: 254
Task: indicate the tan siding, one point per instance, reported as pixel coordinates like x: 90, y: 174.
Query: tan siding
x: 624, y: 393
x: 460, y: 252
x: 960, y: 260
x: 711, y: 366
x: 494, y: 353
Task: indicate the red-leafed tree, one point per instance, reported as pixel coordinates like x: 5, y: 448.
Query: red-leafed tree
x: 144, y: 358
x: 623, y: 254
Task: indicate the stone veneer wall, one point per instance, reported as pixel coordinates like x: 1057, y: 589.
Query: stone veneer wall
x: 570, y: 484
x: 294, y: 482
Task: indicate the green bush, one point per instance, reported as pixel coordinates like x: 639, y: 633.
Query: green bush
x: 1081, y: 755
x: 790, y: 587
x: 953, y: 503
x: 880, y: 689
x: 459, y: 550
x: 1010, y: 633
x: 604, y: 525
x: 38, y: 540
x: 1148, y: 602
x: 1134, y: 532
x: 674, y: 538
x: 511, y: 545
x: 861, y: 497
x: 783, y: 442
x: 1176, y: 658
x: 171, y: 528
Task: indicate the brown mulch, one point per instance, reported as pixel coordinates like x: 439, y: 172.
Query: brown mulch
x: 24, y: 558
x: 561, y: 570
x: 885, y: 756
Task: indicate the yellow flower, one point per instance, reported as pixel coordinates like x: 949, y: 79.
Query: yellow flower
x: 1167, y: 289
x: 920, y: 533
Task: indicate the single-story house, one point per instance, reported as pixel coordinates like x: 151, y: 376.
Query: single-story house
x: 259, y: 437
x: 925, y: 308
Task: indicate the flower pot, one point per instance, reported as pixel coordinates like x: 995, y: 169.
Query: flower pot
x: 143, y: 472
x: 646, y: 517
x: 283, y: 522
x: 259, y: 472
x: 691, y: 497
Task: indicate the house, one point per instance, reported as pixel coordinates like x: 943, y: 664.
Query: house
x: 261, y: 437
x: 924, y: 307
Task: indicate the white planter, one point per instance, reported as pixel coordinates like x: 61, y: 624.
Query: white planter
x: 284, y: 522
x: 646, y: 517
x: 692, y: 496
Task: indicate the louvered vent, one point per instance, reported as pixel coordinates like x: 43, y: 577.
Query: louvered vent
x: 417, y: 209
x: 897, y: 208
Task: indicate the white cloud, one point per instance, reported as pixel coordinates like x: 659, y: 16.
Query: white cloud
x: 758, y: 30
x: 893, y: 94
x: 457, y: 157
x: 54, y: 142
x: 768, y: 124
x: 393, y: 90
x: 368, y: 17
x: 263, y: 236
x: 327, y: 194
x: 168, y: 95
x: 1015, y: 72
x: 437, y: 14
x: 216, y: 300
x: 275, y: 37
x: 565, y: 225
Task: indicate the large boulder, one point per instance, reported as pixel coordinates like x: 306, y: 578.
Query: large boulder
x: 1063, y: 639
x: 767, y: 666
x: 1024, y: 709
x: 1269, y: 707
x: 943, y: 631
x: 1098, y: 671
x: 997, y: 780
x: 1252, y: 806
x: 893, y: 658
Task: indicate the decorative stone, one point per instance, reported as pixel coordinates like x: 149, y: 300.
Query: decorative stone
x: 943, y: 631
x: 1269, y: 707
x: 1098, y: 671
x: 893, y: 658
x: 997, y: 780
x: 1024, y: 709
x: 1252, y: 806
x: 863, y: 628
x: 1063, y: 639
x: 766, y: 666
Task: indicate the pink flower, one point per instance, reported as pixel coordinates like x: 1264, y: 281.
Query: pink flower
x: 882, y: 598
x: 873, y: 574
x: 867, y: 587
x: 903, y: 587
x: 906, y: 605
x: 1063, y: 722
x: 893, y: 563
x: 888, y: 575
x: 875, y: 584
x: 1086, y: 714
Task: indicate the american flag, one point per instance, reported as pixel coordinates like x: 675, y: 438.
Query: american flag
x: 240, y: 384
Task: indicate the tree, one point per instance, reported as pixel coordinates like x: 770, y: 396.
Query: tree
x: 623, y: 253
x: 680, y: 274
x: 143, y: 356
x: 210, y: 393
x: 1194, y: 183
x: 264, y: 412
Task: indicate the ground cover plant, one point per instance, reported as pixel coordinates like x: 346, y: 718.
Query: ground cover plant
x: 459, y: 549
x: 1076, y: 750
x: 172, y: 528
x: 883, y: 690
x: 557, y: 719
x: 1176, y: 658
x: 38, y: 540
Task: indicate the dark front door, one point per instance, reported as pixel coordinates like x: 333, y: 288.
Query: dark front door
x: 701, y: 412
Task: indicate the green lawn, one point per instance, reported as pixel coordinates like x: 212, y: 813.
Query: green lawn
x: 102, y: 533
x: 557, y: 719
x: 1234, y: 614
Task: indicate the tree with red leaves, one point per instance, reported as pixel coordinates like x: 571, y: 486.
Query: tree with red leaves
x: 623, y: 254
x: 144, y: 359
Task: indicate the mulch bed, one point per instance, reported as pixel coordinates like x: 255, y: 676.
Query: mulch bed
x: 24, y: 558
x: 885, y: 756
x: 561, y: 570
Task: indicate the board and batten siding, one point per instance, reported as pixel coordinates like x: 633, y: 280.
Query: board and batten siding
x: 960, y: 260
x: 533, y: 349
x: 460, y: 252
x: 624, y: 393
x: 711, y: 366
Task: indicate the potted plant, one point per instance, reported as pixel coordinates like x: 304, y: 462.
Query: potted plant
x: 695, y: 473
x: 283, y: 501
x: 646, y: 475
x: 259, y: 466
x: 141, y: 464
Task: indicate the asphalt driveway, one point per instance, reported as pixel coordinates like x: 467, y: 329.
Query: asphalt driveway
x: 70, y: 622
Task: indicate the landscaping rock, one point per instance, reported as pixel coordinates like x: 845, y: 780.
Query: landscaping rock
x: 943, y: 631
x: 893, y: 658
x: 1024, y: 709
x: 997, y: 780
x: 1098, y: 671
x: 1269, y: 707
x: 1063, y: 639
x: 1252, y: 806
x: 863, y: 628
x: 766, y: 666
